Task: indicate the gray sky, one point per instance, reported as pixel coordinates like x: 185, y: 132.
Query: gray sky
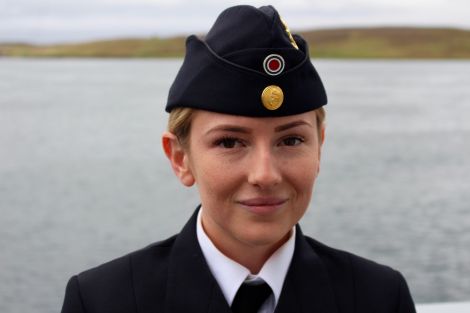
x: 52, y: 21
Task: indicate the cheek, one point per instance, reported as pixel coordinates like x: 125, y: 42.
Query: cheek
x: 304, y: 178
x: 212, y: 178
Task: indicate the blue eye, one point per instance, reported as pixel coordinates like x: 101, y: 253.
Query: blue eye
x: 292, y: 141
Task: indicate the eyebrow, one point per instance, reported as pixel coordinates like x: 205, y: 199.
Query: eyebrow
x: 292, y: 125
x: 245, y: 130
x: 230, y: 128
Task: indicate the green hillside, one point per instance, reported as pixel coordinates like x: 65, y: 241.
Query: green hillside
x: 125, y: 48
x: 387, y: 42
x: 390, y: 43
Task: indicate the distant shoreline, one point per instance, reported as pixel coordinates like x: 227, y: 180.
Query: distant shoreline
x: 340, y: 43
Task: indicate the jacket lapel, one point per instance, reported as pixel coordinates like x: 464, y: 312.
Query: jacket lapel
x: 307, y: 287
x: 191, y: 286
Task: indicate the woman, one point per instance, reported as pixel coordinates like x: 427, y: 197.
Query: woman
x: 246, y: 127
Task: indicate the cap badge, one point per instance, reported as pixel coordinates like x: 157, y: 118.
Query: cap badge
x: 289, y: 34
x: 272, y: 97
x: 273, y: 64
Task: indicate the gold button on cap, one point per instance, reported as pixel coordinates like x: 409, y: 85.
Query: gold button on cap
x: 272, y: 97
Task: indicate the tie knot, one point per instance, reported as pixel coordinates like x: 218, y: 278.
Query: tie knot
x: 250, y: 297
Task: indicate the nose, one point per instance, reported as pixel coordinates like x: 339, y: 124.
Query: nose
x: 263, y: 170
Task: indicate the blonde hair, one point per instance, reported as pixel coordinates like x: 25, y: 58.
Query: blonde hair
x: 179, y: 123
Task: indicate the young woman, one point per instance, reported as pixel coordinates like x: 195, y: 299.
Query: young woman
x: 246, y: 127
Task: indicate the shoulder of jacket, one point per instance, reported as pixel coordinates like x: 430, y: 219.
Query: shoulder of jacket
x: 359, y: 266
x: 121, y: 267
x: 372, y: 287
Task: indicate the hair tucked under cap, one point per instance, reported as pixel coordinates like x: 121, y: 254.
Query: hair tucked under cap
x: 248, y: 64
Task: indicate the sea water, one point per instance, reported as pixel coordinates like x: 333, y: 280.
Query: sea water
x: 83, y: 178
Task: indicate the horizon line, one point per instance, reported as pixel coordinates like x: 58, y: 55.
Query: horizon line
x: 184, y: 35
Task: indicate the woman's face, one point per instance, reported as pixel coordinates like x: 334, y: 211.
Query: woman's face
x: 254, y: 175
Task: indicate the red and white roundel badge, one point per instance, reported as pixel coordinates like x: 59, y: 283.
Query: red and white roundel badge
x: 273, y: 64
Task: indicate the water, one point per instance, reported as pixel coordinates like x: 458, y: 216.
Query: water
x: 83, y: 178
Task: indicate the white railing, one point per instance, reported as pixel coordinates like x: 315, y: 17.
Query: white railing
x: 451, y: 307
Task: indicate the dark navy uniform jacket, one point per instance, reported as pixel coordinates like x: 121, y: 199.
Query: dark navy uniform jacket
x: 172, y: 276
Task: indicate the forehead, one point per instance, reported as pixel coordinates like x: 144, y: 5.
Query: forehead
x: 206, y: 120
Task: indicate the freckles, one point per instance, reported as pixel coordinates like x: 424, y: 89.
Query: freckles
x: 306, y: 178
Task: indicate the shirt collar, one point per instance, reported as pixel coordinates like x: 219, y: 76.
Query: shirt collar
x: 230, y: 274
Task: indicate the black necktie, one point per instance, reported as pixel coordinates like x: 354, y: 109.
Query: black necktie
x: 249, y: 298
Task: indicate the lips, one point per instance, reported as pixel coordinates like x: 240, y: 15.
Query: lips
x: 263, y: 205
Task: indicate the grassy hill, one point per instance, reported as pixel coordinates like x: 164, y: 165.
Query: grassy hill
x: 386, y: 42
x: 390, y: 43
x: 125, y: 48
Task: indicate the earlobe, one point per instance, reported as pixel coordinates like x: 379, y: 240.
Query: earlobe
x: 178, y: 157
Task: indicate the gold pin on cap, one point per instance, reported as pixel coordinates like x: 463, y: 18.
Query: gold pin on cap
x: 272, y: 97
x: 291, y: 38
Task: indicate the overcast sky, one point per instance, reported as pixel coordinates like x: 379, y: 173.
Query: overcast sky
x: 52, y: 21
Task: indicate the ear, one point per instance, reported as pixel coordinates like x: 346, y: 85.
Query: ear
x: 178, y: 157
x: 320, y: 145
x: 322, y: 138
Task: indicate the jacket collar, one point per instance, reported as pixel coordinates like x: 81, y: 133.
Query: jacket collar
x: 191, y: 286
x: 307, y: 287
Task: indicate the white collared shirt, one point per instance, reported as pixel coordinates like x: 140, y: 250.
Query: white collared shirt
x: 230, y: 274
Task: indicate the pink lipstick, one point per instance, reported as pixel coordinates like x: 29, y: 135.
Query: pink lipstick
x: 263, y: 205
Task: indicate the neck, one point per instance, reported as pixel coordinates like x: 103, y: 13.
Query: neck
x: 252, y: 255
x: 253, y: 259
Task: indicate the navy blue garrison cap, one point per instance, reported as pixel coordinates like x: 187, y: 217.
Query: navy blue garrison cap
x: 248, y: 64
